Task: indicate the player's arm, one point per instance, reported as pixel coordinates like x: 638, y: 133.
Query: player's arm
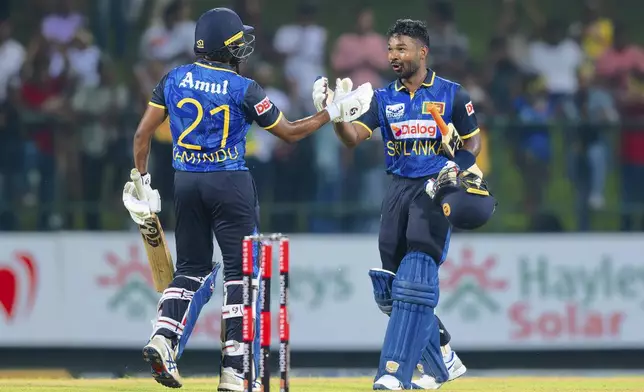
x: 259, y: 108
x: 293, y: 131
x: 355, y: 132
x: 464, y: 120
x: 153, y: 117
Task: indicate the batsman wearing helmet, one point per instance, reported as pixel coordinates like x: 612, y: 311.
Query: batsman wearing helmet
x: 210, y: 108
x: 414, y: 233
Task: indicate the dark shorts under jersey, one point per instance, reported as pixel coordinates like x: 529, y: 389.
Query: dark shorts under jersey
x: 411, y: 221
x: 222, y: 203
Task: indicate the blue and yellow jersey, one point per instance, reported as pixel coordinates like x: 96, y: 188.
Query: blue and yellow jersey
x: 412, y: 139
x: 211, y: 108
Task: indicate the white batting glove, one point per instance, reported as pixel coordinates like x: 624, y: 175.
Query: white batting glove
x: 151, y: 195
x: 141, y: 206
x: 322, y: 93
x: 448, y: 170
x: 351, y: 105
x: 342, y: 88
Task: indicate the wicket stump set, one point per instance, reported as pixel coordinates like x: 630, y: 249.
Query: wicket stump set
x: 265, y: 243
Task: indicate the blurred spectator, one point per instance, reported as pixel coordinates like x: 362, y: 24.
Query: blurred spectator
x: 594, y: 31
x: 98, y: 112
x: 631, y: 107
x: 361, y: 55
x: 515, y: 33
x: 61, y: 25
x: 534, y: 111
x: 170, y: 41
x: 557, y: 58
x: 303, y: 46
x: 623, y: 57
x: 261, y: 144
x: 81, y: 57
x: 590, y: 151
x: 447, y: 45
x: 43, y: 105
x: 12, y: 57
x: 504, y: 76
x: 115, y: 18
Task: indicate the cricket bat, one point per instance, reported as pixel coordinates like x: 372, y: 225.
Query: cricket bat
x: 451, y: 141
x: 156, y: 247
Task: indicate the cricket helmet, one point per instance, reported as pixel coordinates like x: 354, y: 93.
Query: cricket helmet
x: 222, y: 30
x: 464, y: 198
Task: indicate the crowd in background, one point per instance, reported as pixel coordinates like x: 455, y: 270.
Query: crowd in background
x: 71, y: 95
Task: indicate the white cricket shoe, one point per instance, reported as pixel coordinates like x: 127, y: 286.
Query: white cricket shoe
x: 454, y: 366
x: 232, y: 381
x: 162, y: 359
x: 387, y: 383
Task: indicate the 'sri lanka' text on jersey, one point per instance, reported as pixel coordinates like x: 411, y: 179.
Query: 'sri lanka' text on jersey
x: 412, y: 140
x: 211, y: 108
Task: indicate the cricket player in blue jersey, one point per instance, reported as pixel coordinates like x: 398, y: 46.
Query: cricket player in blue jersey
x: 414, y: 232
x: 211, y: 107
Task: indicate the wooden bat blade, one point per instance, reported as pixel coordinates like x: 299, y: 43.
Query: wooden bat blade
x: 159, y: 256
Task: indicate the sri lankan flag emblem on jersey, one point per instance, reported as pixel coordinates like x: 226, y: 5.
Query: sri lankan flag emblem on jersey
x: 439, y: 105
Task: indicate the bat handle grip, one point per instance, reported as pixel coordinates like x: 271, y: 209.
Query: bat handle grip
x: 135, y: 176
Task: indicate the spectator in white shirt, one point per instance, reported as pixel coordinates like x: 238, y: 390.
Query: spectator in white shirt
x: 171, y: 41
x: 12, y: 56
x: 557, y: 58
x: 83, y: 59
x: 12, y: 175
x: 303, y: 46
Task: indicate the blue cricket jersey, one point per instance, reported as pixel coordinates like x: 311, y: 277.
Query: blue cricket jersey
x: 211, y: 108
x: 412, y: 141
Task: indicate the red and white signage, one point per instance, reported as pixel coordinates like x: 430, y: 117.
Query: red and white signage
x: 497, y: 292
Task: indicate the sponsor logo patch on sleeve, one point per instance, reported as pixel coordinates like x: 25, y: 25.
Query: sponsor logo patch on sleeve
x: 263, y: 106
x: 469, y: 108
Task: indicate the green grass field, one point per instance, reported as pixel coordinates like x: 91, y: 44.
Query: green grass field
x: 469, y: 384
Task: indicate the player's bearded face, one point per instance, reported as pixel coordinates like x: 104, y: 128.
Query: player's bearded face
x: 406, y: 55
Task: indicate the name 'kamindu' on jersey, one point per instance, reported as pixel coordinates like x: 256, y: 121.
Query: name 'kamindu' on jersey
x: 210, y: 109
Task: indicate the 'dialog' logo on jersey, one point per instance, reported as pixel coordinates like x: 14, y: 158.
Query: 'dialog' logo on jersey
x: 468, y: 288
x: 414, y: 129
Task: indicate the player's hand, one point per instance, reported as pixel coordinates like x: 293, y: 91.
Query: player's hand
x: 352, y: 105
x: 342, y: 88
x: 150, y: 195
x: 141, y: 205
x: 322, y: 93
x: 139, y: 210
x: 452, y: 141
x: 448, y: 173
